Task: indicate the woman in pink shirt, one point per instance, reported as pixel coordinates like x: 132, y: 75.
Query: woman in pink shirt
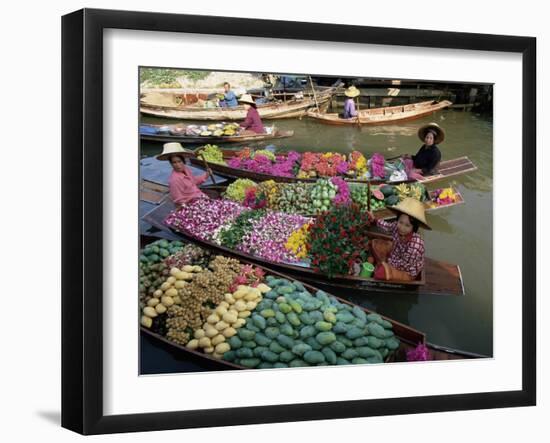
x: 253, y: 122
x: 182, y: 183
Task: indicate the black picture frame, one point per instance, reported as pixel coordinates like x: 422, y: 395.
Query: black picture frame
x: 82, y: 218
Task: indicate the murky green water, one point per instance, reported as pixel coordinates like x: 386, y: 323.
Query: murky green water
x: 462, y: 234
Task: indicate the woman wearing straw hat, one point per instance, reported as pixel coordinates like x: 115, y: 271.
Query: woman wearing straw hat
x: 252, y: 123
x: 402, y: 258
x: 182, y: 183
x: 428, y: 156
x: 349, y: 103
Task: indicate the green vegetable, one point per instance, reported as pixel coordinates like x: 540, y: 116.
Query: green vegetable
x: 286, y: 329
x: 311, y: 341
x: 374, y: 342
x: 340, y: 328
x: 258, y: 321
x: 359, y: 361
x: 366, y: 352
x: 323, y: 326
x: 376, y: 330
x: 249, y: 344
x: 392, y: 343
x: 258, y: 351
x: 280, y: 317
x: 279, y: 365
x: 325, y: 338
x: 297, y: 307
x: 235, y: 342
x: 282, y: 290
x: 306, y: 319
x: 354, y: 333
x: 267, y: 313
x: 329, y: 316
x: 285, y: 341
x: 293, y: 319
x: 262, y: 340
x: 249, y: 362
x: 342, y: 361
x: 337, y: 347
x: 269, y: 356
x: 272, y: 332
x: 301, y: 348
x: 245, y: 334
x: 265, y: 365
x: 244, y: 353
x: 274, y: 346
x: 297, y: 363
x: 284, y: 308
x: 286, y: 356
x: 350, y: 354
x: 229, y: 355
x: 307, y: 331
x: 314, y: 357
x: 330, y: 355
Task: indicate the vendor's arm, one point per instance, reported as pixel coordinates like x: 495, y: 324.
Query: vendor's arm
x: 247, y: 122
x: 432, y: 162
x: 388, y: 226
x: 415, y: 257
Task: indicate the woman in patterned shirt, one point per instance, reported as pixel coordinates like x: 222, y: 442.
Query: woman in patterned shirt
x: 402, y: 258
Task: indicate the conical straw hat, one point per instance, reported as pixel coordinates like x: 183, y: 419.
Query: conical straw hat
x: 247, y: 98
x: 352, y: 92
x: 413, y: 208
x: 440, y: 133
x: 173, y: 148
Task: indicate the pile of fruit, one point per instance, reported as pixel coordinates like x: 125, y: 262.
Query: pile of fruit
x: 322, y: 194
x: 212, y: 154
x: 444, y: 196
x: 291, y: 327
x: 212, y: 130
x: 233, y: 312
x: 295, y: 199
x: 236, y: 191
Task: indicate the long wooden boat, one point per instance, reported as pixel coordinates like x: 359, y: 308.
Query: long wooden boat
x: 167, y: 136
x: 382, y: 116
x: 408, y: 337
x: 437, y: 277
x: 446, y: 169
x: 173, y: 106
x: 155, y: 193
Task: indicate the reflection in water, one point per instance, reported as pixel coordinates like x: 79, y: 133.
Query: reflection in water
x: 461, y: 235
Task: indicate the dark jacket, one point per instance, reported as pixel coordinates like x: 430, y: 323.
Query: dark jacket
x: 427, y: 159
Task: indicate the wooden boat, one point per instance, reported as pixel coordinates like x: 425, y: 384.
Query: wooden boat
x: 437, y: 277
x: 169, y: 134
x: 155, y: 193
x: 446, y: 169
x: 173, y: 105
x: 408, y: 337
x: 381, y: 116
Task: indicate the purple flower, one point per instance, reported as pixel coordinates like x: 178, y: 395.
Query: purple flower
x: 420, y: 353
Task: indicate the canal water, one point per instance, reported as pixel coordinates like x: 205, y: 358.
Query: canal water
x: 462, y: 234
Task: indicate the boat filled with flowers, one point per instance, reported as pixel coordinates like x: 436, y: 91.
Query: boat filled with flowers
x: 292, y: 166
x: 326, y: 249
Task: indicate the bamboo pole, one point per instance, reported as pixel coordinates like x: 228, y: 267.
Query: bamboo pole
x: 208, y: 170
x: 314, y: 94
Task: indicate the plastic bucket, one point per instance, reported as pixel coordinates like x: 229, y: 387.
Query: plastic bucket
x: 366, y: 270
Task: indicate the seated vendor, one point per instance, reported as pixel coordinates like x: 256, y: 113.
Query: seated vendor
x: 402, y: 258
x: 182, y: 183
x: 229, y: 99
x: 349, y: 103
x: 252, y: 123
x: 428, y: 156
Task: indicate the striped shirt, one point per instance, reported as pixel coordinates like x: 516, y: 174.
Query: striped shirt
x: 407, y: 254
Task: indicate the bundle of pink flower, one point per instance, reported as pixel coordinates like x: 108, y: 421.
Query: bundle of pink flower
x: 201, y: 217
x: 269, y: 234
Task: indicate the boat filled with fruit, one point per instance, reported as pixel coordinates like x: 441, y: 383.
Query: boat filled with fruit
x: 214, y: 133
x: 292, y: 166
x: 240, y: 315
x: 323, y: 194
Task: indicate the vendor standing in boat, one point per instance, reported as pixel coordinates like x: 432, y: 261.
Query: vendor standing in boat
x: 349, y: 103
x: 402, y: 258
x: 229, y: 99
x: 252, y: 123
x: 182, y: 183
x: 428, y: 156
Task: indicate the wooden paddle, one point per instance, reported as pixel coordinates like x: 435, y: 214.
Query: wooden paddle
x: 199, y: 155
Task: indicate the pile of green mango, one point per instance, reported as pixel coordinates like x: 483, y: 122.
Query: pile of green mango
x: 291, y: 327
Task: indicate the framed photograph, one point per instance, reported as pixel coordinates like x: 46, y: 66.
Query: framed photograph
x: 270, y: 221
